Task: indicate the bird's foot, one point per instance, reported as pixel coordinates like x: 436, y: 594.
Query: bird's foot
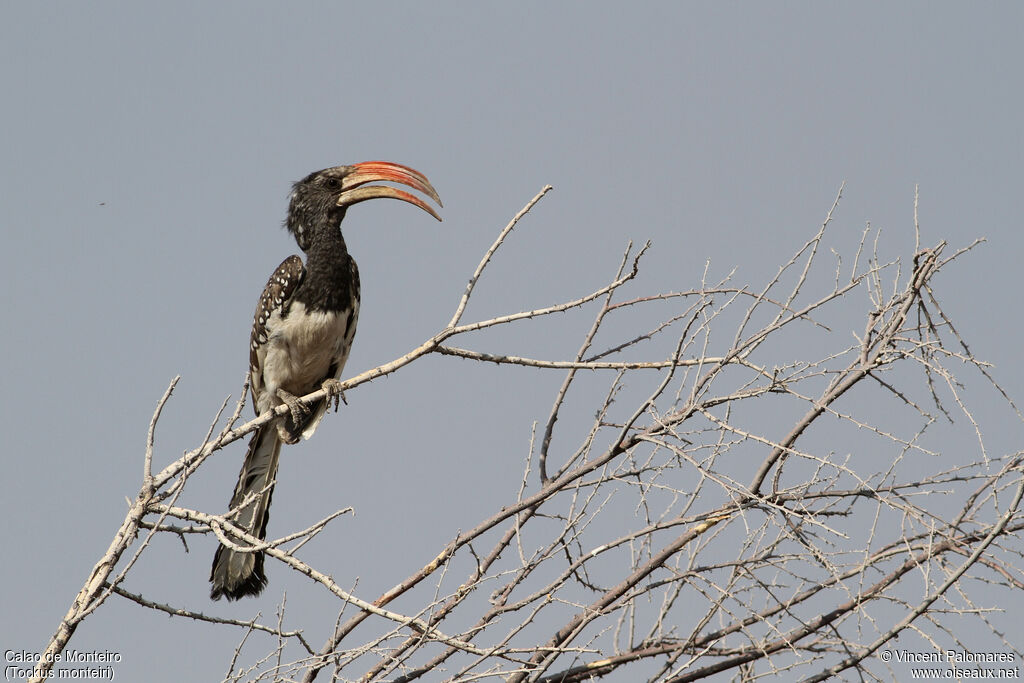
x: 300, y: 411
x: 334, y: 392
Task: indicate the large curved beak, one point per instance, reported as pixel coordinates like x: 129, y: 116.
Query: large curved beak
x: 354, y: 188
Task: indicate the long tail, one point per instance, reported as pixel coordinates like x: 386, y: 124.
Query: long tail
x: 235, y: 575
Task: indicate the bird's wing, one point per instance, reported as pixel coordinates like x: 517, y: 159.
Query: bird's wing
x: 275, y: 298
x: 236, y: 574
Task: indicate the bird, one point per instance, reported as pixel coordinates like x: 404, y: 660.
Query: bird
x: 301, y: 337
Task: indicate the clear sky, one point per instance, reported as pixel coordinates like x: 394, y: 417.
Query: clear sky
x: 148, y: 150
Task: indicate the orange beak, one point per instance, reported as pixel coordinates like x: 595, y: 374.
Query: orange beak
x: 355, y: 190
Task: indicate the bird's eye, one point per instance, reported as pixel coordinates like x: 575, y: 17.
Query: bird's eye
x: 333, y: 183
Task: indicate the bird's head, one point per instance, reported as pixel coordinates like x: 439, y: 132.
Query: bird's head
x: 319, y: 200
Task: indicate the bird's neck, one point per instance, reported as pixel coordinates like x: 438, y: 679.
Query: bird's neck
x: 331, y: 280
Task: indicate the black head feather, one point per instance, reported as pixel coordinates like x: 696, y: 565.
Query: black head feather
x: 313, y: 206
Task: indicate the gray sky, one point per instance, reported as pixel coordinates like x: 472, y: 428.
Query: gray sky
x: 148, y: 150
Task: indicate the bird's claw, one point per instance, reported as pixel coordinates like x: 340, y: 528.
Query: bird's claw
x: 299, y: 410
x: 334, y: 393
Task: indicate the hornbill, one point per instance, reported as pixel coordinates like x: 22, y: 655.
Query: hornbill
x: 301, y: 336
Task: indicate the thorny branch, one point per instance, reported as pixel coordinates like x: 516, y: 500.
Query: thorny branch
x: 727, y: 509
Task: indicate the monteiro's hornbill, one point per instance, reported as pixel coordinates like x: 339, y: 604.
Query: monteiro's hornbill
x: 301, y: 336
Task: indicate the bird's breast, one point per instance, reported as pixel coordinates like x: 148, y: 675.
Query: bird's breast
x: 303, y: 346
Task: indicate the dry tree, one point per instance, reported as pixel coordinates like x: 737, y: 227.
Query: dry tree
x: 721, y: 510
